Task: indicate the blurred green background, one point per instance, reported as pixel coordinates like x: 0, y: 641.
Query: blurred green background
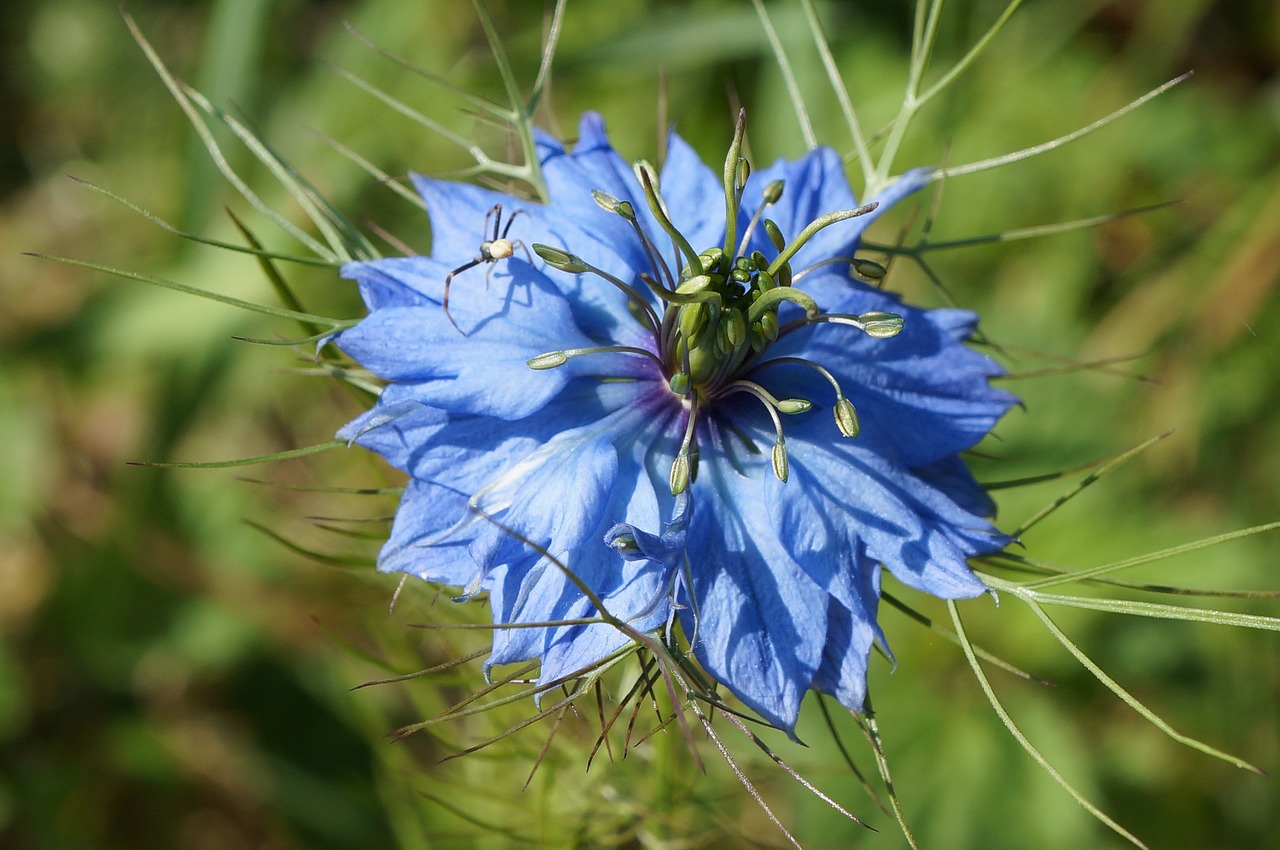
x: 172, y: 678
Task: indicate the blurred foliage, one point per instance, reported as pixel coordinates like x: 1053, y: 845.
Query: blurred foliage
x: 172, y: 678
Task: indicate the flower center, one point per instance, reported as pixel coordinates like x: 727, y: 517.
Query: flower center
x: 721, y: 312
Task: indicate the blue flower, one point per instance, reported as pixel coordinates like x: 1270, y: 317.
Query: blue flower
x: 720, y: 429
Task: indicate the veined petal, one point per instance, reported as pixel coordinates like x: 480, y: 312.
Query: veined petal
x: 756, y: 621
x: 851, y: 632
x: 420, y: 544
x: 841, y: 495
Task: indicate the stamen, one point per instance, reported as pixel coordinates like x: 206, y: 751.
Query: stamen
x: 814, y: 226
x: 772, y: 193
x: 627, y: 212
x: 875, y: 324
x: 845, y: 414
x: 775, y: 234
x: 682, y: 471
x: 868, y: 270
x: 789, y: 406
x: 781, y: 466
x: 646, y: 174
x: 552, y: 359
x: 573, y: 264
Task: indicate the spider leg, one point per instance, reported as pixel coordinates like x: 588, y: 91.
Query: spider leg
x: 518, y: 244
x: 509, y: 223
x: 496, y: 215
x: 448, y: 281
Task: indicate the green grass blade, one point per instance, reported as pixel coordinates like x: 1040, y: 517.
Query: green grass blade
x: 1025, y: 743
x: 788, y: 76
x: 861, y: 151
x: 345, y: 241
x: 231, y: 301
x: 178, y: 90
x: 1142, y: 609
x: 1036, y: 150
x: 1086, y: 482
x: 339, y: 491
x: 288, y: 454
x: 1116, y: 566
x: 373, y: 171
x: 474, y: 100
x: 981, y: 44
x: 928, y: 623
x: 283, y: 291
x: 1114, y: 686
x: 473, y: 150
x: 531, y: 171
x: 346, y: 561
x: 543, y: 80
x: 193, y: 237
x: 867, y: 723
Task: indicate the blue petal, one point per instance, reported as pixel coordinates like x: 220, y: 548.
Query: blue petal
x: 840, y: 494
x: 756, y: 621
x: 921, y: 396
x: 851, y: 632
x: 420, y: 544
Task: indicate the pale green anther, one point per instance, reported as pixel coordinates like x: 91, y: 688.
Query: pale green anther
x: 867, y: 269
x: 740, y: 275
x: 741, y: 175
x: 781, y: 467
x: 794, y: 405
x: 550, y: 360
x: 704, y: 359
x: 736, y: 328
x: 679, y: 383
x: 694, y: 285
x: 773, y: 192
x: 881, y: 325
x: 723, y: 345
x: 813, y: 228
x: 558, y: 259
x: 605, y: 201
x: 769, y: 326
x: 775, y: 235
x: 764, y: 281
x: 625, y: 210
x: 680, y: 474
x: 693, y: 317
x: 711, y: 257
x: 847, y: 418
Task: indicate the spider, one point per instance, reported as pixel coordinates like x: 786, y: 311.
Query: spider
x: 499, y: 247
